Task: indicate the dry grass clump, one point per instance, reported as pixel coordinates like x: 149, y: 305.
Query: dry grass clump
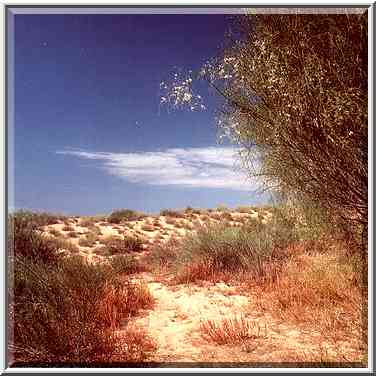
x: 171, y: 221
x: 121, y: 245
x: 148, y: 227
x: 136, y: 344
x: 128, y: 225
x: 122, y: 301
x: 322, y: 289
x: 179, y: 224
x: 222, y: 208
x: 190, y: 210
x: 102, y: 250
x: 226, y: 216
x: 68, y: 228
x: 88, y: 240
x: 90, y: 221
x: 55, y: 232
x: 244, y: 209
x: 231, y: 330
x: 162, y: 255
x: 172, y: 213
x: 216, y: 216
x: 126, y: 264
x: 156, y: 223
x: 72, y: 234
x: 67, y: 245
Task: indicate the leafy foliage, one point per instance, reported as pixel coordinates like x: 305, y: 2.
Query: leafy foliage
x: 295, y: 92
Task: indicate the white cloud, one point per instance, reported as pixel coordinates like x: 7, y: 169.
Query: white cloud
x: 210, y: 167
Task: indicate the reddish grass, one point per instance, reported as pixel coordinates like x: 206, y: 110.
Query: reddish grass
x: 124, y: 301
x: 320, y: 290
x: 231, y: 330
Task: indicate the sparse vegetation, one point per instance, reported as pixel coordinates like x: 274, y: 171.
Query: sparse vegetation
x: 171, y: 221
x: 88, y: 240
x: 125, y: 264
x: 147, y: 227
x: 55, y: 232
x: 102, y: 250
x: 163, y: 255
x: 172, y: 213
x: 68, y: 228
x: 296, y: 267
x: 244, y: 209
x: 72, y: 234
x: 222, y: 208
x: 91, y: 221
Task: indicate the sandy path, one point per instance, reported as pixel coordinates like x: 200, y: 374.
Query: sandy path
x: 175, y: 319
x: 174, y: 323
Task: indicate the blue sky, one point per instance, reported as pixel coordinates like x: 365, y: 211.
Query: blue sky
x: 90, y: 135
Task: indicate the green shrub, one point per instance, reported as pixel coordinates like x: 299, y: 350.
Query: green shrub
x: 225, y: 248
x: 69, y: 312
x: 122, y: 215
x: 217, y: 248
x: 54, y: 311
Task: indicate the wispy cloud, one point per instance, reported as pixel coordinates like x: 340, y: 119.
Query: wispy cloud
x: 210, y: 167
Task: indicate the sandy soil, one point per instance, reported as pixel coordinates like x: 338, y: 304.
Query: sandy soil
x: 175, y: 321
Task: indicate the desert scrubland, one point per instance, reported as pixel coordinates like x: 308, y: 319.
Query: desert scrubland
x: 251, y: 286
